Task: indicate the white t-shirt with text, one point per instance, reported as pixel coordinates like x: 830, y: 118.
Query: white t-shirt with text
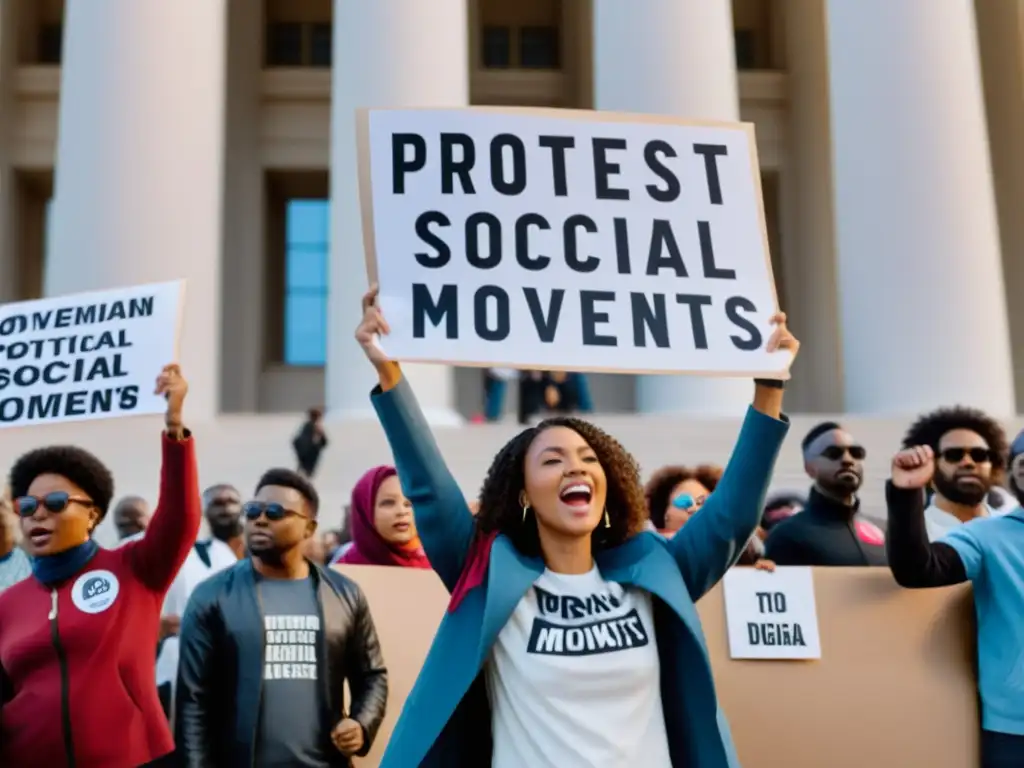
x: 574, y: 678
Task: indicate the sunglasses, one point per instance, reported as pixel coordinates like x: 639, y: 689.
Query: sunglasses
x: 956, y: 455
x: 836, y: 452
x: 274, y: 512
x: 57, y: 501
x: 685, y: 501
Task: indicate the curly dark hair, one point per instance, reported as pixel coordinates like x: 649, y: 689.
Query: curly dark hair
x: 500, y: 509
x: 660, y: 486
x: 76, y: 464
x: 929, y: 429
x: 287, y: 478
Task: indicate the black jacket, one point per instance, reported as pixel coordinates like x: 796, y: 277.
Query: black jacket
x: 220, y: 671
x: 826, y: 532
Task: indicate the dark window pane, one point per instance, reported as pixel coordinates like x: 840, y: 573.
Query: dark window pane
x: 320, y: 45
x: 50, y: 42
x: 305, y: 329
x: 497, y: 47
x: 284, y: 45
x: 746, y: 49
x: 538, y: 48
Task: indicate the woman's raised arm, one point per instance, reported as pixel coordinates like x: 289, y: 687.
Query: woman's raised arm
x: 443, y: 519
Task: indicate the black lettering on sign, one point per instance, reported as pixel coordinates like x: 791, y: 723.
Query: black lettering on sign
x: 523, y: 257
x: 622, y: 246
x: 648, y: 319
x: 452, y: 166
x: 753, y: 340
x: 56, y: 372
x: 591, y: 317
x: 499, y: 330
x: 502, y: 145
x: 664, y: 251
x: 443, y: 254
x: 775, y: 634
x: 546, y: 324
x: 711, y: 153
x: 445, y: 309
x: 696, y: 305
x: 572, y: 258
x: 69, y: 404
x: 707, y: 255
x: 558, y: 146
x: 408, y: 155
x: 493, y: 226
x: 68, y: 317
x: 604, y: 169
x: 771, y: 602
x: 654, y: 154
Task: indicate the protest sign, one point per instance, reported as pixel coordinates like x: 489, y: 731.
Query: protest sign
x: 771, y: 615
x: 572, y: 240
x: 87, y: 356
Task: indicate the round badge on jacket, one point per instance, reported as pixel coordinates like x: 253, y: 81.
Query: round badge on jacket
x: 869, y: 533
x: 95, y: 591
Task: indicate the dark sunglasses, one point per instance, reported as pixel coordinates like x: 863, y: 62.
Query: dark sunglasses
x: 956, y: 455
x: 57, y: 501
x: 836, y: 452
x: 274, y: 512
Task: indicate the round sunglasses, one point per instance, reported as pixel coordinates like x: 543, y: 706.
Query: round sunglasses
x: 978, y: 455
x: 274, y: 511
x: 56, y: 501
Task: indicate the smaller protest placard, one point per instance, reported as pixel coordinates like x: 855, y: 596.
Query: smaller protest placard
x: 87, y: 356
x: 771, y: 615
x: 571, y: 240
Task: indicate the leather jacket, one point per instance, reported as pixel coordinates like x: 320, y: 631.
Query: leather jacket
x: 220, y: 671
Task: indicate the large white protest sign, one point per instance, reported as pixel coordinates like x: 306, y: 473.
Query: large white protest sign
x: 570, y: 240
x: 771, y: 615
x: 87, y: 356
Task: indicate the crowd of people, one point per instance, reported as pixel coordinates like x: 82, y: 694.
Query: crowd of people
x: 571, y: 637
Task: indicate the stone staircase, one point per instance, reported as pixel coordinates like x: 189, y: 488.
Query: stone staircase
x: 236, y: 449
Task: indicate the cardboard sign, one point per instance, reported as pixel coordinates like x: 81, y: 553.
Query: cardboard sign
x: 87, y: 356
x: 771, y: 615
x: 558, y: 239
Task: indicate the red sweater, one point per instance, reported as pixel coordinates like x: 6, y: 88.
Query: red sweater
x: 79, y: 660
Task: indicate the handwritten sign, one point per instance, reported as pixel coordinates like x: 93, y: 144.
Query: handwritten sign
x: 771, y: 615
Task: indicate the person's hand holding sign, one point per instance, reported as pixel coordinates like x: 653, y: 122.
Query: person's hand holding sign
x: 372, y: 327
x: 768, y: 394
x: 913, y: 468
x: 173, y: 387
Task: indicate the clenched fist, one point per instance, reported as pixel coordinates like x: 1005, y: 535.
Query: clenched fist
x: 371, y: 327
x: 348, y: 737
x: 172, y: 385
x: 913, y: 468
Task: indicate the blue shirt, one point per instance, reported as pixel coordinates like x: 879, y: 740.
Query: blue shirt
x: 992, y: 551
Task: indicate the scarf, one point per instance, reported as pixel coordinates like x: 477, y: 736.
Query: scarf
x: 51, y: 569
x: 368, y: 546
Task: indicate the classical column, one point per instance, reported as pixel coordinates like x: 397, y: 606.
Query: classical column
x: 139, y: 171
x: 671, y: 57
x: 922, y: 307
x: 387, y: 53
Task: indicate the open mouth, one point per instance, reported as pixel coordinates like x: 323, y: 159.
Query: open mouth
x: 401, y: 527
x: 39, y: 535
x: 576, y: 495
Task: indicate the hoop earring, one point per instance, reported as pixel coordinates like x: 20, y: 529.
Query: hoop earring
x: 526, y: 508
x: 607, y: 519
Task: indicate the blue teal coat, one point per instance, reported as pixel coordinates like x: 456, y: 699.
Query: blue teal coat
x: 446, y: 721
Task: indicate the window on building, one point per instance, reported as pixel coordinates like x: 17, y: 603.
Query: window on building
x: 538, y: 48
x: 746, y: 49
x: 50, y: 44
x: 298, y: 44
x: 496, y: 45
x: 307, y: 250
x: 526, y: 34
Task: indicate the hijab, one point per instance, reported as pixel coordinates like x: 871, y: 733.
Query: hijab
x: 368, y: 546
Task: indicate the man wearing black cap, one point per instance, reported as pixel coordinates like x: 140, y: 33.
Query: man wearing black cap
x: 829, y: 530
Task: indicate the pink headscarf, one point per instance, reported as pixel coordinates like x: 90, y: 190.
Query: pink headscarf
x: 368, y: 546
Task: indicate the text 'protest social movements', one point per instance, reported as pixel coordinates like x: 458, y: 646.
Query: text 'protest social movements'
x: 87, y: 356
x: 572, y: 240
x: 772, y: 615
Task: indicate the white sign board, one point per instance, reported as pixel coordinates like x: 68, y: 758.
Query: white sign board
x: 87, y: 356
x: 771, y: 615
x: 558, y: 239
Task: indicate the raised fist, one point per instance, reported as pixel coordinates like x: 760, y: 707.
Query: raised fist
x: 913, y: 467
